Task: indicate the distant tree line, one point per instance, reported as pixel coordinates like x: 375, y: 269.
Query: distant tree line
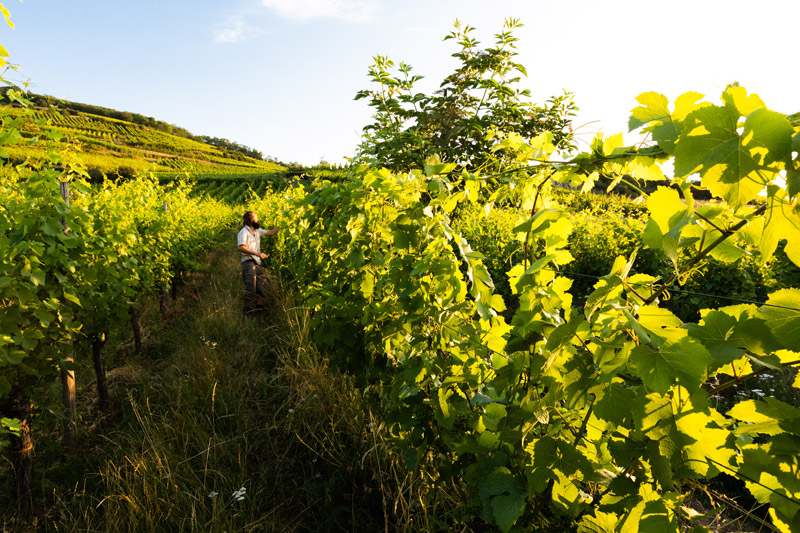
x: 230, y: 146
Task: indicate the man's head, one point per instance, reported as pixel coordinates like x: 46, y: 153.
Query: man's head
x: 250, y: 219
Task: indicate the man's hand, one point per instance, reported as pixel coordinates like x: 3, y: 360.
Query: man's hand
x: 272, y: 231
x: 262, y: 255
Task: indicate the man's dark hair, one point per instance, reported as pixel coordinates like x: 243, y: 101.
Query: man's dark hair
x: 248, y: 217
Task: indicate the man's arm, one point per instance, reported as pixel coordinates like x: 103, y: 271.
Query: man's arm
x: 245, y: 250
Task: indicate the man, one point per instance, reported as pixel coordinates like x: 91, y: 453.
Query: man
x: 249, y: 244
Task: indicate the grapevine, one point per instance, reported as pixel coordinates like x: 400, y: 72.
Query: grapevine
x: 598, y: 413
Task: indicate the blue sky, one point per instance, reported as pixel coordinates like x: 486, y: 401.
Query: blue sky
x: 280, y: 75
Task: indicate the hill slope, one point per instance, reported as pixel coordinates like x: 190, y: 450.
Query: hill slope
x: 118, y: 147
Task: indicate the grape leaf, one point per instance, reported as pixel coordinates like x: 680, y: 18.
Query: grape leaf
x: 550, y: 454
x: 767, y: 136
x: 766, y: 416
x: 725, y: 251
x: 686, y: 360
x: 11, y: 425
x: 657, y: 320
x: 564, y: 333
x: 615, y: 403
x: 745, y: 104
x: 645, y: 168
x: 782, y: 221
x: 599, y: 523
x: 659, y: 466
x: 793, y: 178
x: 790, y: 524
x: 656, y: 518
x: 732, y: 166
x: 668, y: 217
x: 784, y: 321
x: 702, y: 440
x: 666, y: 208
x: 751, y: 331
x: 507, y: 508
x: 6, y: 15
x: 773, y: 478
x: 714, y: 331
x: 665, y: 126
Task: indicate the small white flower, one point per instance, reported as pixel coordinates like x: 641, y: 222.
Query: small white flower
x: 370, y: 425
x: 213, y: 494
x: 291, y: 411
x: 239, y: 495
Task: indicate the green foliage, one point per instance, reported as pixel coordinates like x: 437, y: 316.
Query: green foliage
x: 40, y: 266
x: 595, y: 243
x: 458, y: 122
x: 232, y: 189
x: 600, y: 413
x: 599, y: 204
x: 492, y: 235
x: 606, y: 227
x: 72, y: 269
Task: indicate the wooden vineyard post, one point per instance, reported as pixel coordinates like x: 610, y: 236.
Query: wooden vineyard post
x: 137, y: 330
x: 68, y: 376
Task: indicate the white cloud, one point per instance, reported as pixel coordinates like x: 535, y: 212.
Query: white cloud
x: 350, y: 10
x: 234, y: 29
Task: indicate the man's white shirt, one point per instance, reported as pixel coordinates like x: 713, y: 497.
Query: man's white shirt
x: 252, y: 240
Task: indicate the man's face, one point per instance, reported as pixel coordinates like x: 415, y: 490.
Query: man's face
x: 254, y: 220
